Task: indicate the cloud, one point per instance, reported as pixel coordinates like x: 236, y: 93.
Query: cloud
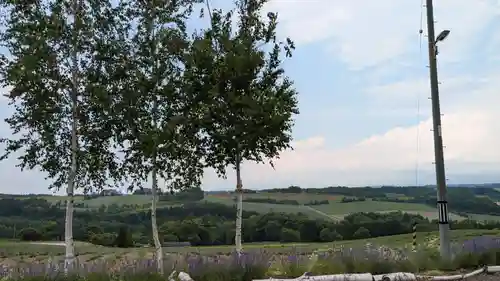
x: 471, y: 134
x: 367, y: 33
x: 375, y: 35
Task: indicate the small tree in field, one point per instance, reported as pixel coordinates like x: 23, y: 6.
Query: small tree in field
x: 251, y: 102
x: 55, y: 70
x: 152, y: 114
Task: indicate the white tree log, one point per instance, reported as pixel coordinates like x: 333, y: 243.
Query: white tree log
x: 396, y: 276
x: 333, y: 277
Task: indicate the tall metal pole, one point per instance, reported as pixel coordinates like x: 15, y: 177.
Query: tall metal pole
x: 442, y: 204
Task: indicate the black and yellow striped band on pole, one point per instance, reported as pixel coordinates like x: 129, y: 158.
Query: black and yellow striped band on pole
x: 414, y: 242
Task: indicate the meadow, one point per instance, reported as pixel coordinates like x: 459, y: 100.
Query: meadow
x: 335, y: 210
x: 35, y: 261
x: 14, y: 252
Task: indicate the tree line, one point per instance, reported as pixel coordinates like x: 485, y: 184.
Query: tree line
x: 462, y: 200
x: 284, y: 201
x: 200, y: 224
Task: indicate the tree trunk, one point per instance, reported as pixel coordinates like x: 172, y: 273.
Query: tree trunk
x: 68, y: 227
x: 239, y: 206
x: 154, y: 226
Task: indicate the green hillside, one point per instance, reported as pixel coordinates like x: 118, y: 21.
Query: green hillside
x: 334, y: 210
x: 334, y: 203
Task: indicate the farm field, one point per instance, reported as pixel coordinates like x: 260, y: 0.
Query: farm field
x: 479, y: 217
x: 266, y: 208
x: 343, y: 209
x: 130, y: 199
x: 300, y: 197
x: 14, y: 252
x: 335, y: 210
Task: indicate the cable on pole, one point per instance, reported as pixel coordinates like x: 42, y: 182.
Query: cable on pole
x: 420, y: 33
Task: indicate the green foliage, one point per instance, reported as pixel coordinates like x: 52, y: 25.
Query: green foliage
x: 463, y: 200
x: 152, y: 116
x: 30, y: 234
x: 202, y: 224
x: 328, y: 235
x: 271, y: 201
x: 188, y: 195
x: 352, y: 199
x: 261, y: 266
x: 289, y: 235
x: 124, y: 238
x: 36, y: 70
x: 250, y: 103
x: 317, y: 202
x: 361, y: 233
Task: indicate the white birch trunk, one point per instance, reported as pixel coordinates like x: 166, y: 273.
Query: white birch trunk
x: 239, y: 205
x: 154, y: 226
x: 68, y: 226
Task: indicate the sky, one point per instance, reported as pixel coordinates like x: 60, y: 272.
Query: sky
x: 360, y: 68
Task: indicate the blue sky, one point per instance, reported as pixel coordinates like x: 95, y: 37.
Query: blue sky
x: 361, y: 73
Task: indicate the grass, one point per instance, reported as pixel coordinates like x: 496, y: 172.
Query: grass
x: 479, y: 217
x: 267, y: 208
x: 12, y: 252
x: 260, y: 261
x: 342, y: 209
x: 130, y: 199
x: 334, y: 211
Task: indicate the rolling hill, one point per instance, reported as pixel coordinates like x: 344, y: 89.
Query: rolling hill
x: 332, y: 203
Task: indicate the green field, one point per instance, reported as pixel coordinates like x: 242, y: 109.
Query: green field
x: 13, y: 252
x: 343, y: 209
x: 130, y: 199
x: 479, y: 217
x: 334, y: 211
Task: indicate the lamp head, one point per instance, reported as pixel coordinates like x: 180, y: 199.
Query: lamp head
x: 442, y: 35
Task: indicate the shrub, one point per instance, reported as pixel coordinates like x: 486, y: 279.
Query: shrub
x: 328, y: 235
x: 124, y: 238
x: 361, y: 233
x: 30, y: 234
x: 289, y: 235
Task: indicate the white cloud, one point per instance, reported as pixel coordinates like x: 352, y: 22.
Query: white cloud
x: 366, y: 33
x: 471, y: 134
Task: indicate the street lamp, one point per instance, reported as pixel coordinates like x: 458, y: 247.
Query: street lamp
x: 439, y: 38
x: 442, y: 204
x: 442, y: 35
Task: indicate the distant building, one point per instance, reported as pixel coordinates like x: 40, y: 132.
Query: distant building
x: 110, y: 192
x: 146, y: 191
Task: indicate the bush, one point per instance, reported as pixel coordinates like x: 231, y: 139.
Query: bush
x: 124, y: 238
x: 271, y: 201
x: 289, y: 235
x: 361, y: 233
x: 317, y: 202
x: 30, y: 234
x: 104, y: 239
x: 261, y: 265
x: 352, y: 199
x: 327, y: 235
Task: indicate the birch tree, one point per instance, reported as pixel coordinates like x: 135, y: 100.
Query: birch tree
x: 53, y: 70
x: 250, y: 111
x: 152, y: 113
